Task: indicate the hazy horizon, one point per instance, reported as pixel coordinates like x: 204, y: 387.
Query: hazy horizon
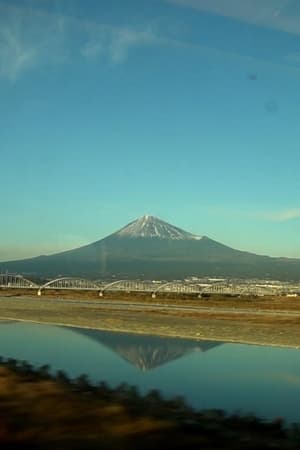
x: 87, y: 243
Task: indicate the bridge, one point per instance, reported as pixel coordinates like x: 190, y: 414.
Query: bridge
x: 8, y: 280
x: 153, y: 288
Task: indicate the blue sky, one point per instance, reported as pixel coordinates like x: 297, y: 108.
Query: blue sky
x: 183, y: 109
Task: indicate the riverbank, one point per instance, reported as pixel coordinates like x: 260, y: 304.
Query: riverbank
x: 245, y: 325
x: 43, y: 411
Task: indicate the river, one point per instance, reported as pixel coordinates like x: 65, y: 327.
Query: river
x: 234, y: 377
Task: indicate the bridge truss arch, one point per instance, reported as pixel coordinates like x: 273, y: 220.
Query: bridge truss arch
x: 258, y: 290
x: 10, y: 280
x: 218, y: 288
x: 70, y: 283
x: 239, y: 289
x: 127, y: 286
x: 177, y: 287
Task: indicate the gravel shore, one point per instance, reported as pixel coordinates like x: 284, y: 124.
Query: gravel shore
x: 242, y: 325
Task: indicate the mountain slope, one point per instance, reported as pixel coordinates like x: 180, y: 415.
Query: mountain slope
x: 151, y: 248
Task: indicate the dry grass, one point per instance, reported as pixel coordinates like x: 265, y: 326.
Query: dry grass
x: 39, y: 412
x: 43, y: 411
x: 214, y: 301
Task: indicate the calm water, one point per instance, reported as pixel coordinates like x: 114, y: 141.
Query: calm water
x: 234, y: 377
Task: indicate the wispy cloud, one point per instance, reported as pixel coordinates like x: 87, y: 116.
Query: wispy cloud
x: 15, y: 57
x: 283, y: 15
x: 282, y: 215
x: 19, y: 55
x: 30, y: 38
x: 115, y: 43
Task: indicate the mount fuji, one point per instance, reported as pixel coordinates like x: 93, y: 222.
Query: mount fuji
x: 152, y: 227
x: 149, y: 248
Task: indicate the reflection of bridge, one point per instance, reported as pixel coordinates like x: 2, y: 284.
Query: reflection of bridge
x: 153, y: 288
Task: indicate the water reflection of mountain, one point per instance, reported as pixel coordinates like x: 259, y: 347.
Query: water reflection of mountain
x: 146, y: 352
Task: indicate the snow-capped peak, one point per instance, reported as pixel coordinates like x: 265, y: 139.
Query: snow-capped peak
x: 152, y: 227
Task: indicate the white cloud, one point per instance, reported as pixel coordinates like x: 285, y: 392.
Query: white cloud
x: 15, y: 57
x: 123, y: 39
x: 30, y: 39
x: 281, y: 216
x: 115, y: 43
x: 283, y: 15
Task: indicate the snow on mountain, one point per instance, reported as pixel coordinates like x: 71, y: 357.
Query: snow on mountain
x: 152, y: 227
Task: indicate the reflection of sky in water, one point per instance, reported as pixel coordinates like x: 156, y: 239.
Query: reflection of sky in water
x: 231, y: 376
